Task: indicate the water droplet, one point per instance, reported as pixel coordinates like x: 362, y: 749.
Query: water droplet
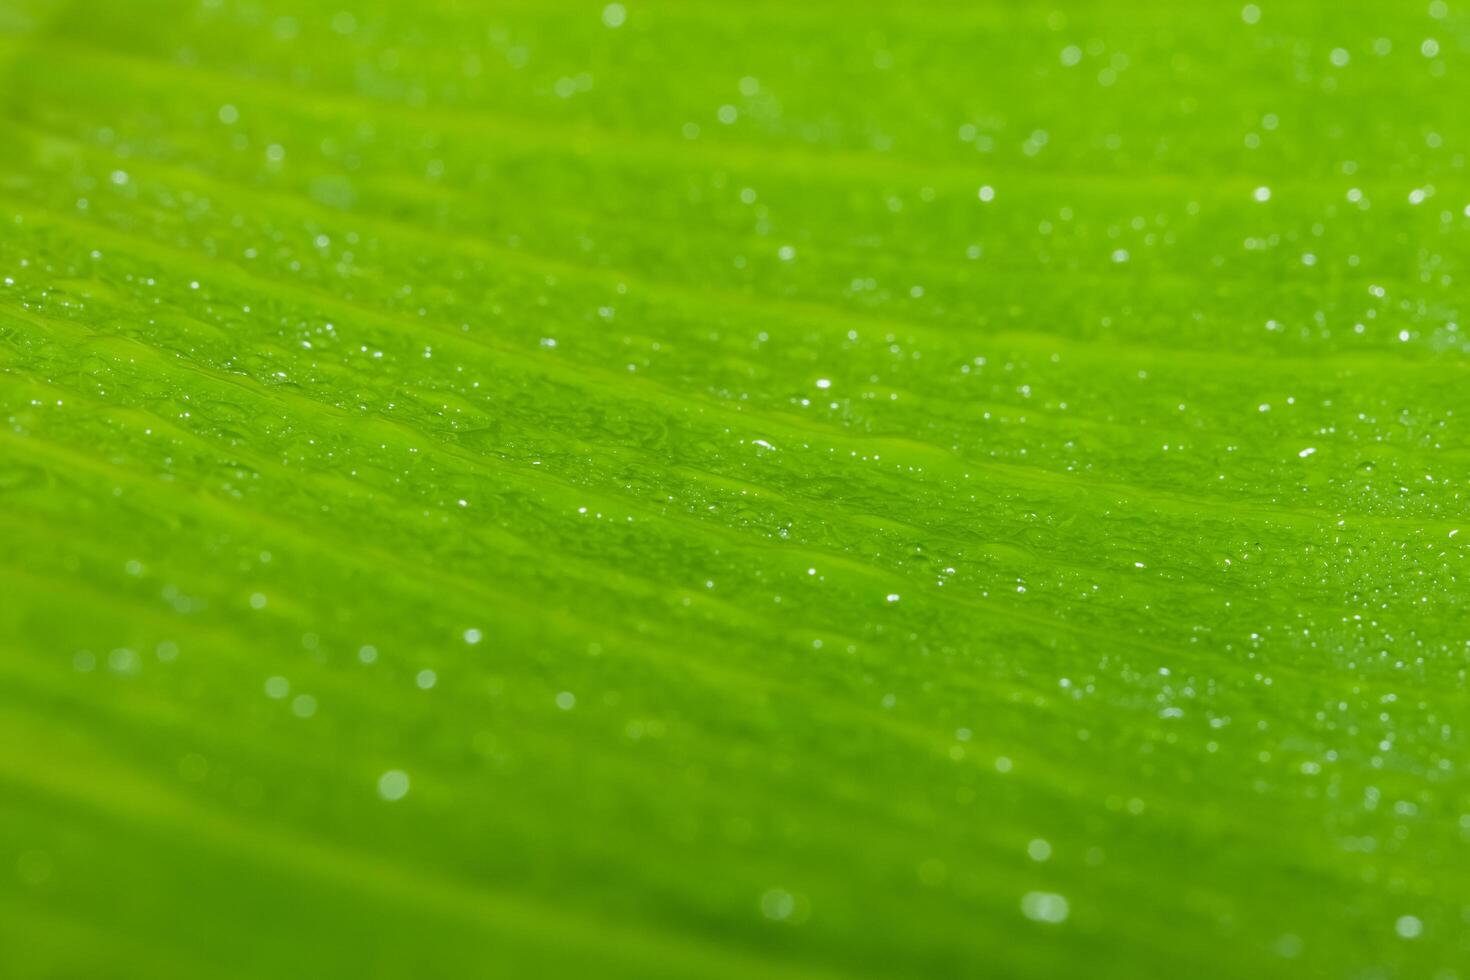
x: 393, y: 785
x: 1045, y: 907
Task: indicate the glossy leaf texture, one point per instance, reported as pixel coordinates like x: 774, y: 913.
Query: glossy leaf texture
x: 693, y: 489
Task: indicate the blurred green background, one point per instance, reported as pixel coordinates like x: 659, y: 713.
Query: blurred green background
x: 690, y: 489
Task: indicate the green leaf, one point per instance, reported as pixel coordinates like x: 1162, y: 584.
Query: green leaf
x: 733, y: 490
